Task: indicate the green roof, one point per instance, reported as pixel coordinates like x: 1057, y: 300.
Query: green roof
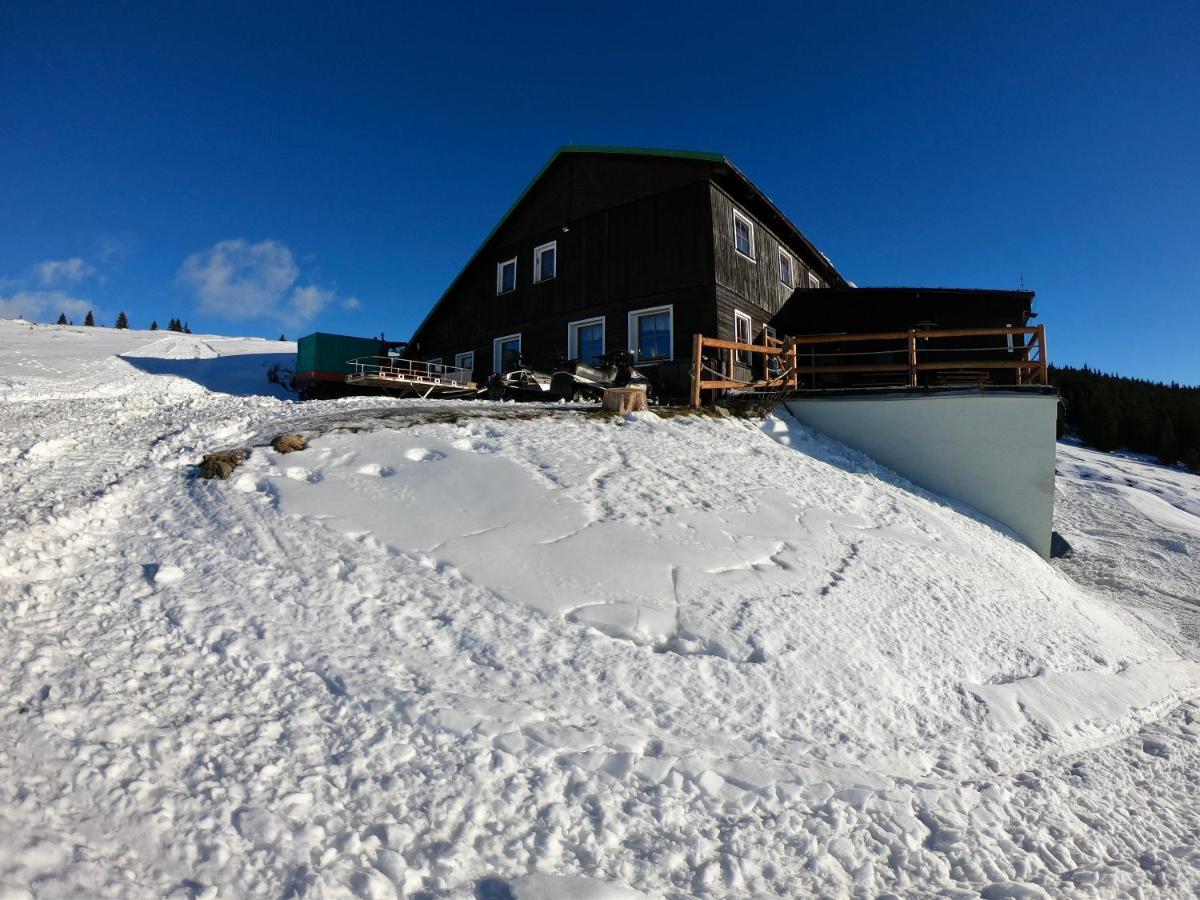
x: 641, y: 151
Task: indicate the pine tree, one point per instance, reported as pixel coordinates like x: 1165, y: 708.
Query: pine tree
x: 154, y: 325
x: 283, y: 337
x: 89, y: 320
x: 122, y: 320
x: 1168, y: 445
x: 1161, y: 420
x: 62, y: 318
x: 186, y: 328
x: 174, y: 325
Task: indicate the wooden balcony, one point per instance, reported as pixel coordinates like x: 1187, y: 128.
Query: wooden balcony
x: 935, y: 357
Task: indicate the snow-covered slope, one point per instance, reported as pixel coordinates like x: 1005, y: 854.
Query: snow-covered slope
x: 483, y: 650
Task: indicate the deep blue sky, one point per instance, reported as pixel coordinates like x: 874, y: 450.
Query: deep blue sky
x: 353, y: 157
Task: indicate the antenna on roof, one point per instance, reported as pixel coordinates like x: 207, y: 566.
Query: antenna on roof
x: 1021, y: 281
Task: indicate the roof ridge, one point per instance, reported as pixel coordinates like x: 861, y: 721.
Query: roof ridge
x: 615, y: 149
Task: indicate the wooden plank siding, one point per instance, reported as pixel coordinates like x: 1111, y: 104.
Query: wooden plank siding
x: 634, y: 230
x: 751, y: 286
x: 651, y: 251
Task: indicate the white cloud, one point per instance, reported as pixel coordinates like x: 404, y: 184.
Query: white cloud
x: 63, y: 271
x: 235, y: 279
x: 34, y: 305
x: 113, y: 247
x: 305, y: 303
x: 350, y: 303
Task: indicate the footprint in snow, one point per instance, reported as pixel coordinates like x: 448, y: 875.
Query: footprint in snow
x: 375, y: 470
x: 299, y: 473
x: 420, y: 454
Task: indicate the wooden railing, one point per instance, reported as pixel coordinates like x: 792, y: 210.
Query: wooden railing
x: 919, y: 349
x: 391, y: 368
x: 773, y: 351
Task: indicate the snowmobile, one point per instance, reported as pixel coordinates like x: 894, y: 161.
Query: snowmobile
x: 575, y: 379
x: 522, y: 385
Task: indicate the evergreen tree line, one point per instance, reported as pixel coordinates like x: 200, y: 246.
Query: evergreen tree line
x: 123, y: 322
x: 1111, y: 412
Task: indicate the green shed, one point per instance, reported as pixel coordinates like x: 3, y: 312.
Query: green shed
x: 323, y: 361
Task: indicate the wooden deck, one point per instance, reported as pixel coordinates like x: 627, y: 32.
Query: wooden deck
x: 410, y: 377
x: 914, y: 358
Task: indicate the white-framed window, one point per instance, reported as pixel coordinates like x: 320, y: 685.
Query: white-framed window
x: 506, y: 353
x: 813, y: 280
x: 743, y: 330
x: 506, y: 276
x: 787, y: 268
x: 774, y: 366
x: 585, y: 339
x: 465, y: 360
x: 652, y: 334
x: 743, y: 234
x: 545, y: 262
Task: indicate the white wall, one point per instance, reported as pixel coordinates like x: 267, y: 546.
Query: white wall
x: 992, y: 450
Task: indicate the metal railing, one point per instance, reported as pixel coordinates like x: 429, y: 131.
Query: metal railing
x: 903, y: 357
x: 413, y: 371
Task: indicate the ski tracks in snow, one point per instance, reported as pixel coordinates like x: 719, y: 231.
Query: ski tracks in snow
x: 212, y: 696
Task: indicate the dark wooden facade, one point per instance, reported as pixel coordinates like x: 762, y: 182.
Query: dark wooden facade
x: 634, y: 230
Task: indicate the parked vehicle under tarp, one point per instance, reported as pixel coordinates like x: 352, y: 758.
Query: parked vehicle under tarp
x: 522, y: 385
x: 575, y: 379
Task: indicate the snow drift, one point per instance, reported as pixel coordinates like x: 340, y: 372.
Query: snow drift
x: 477, y: 654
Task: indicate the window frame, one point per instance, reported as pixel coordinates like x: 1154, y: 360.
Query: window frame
x: 537, y: 262
x: 573, y: 335
x: 497, y: 354
x: 458, y: 360
x: 743, y: 356
x: 500, y: 266
x: 738, y: 214
x: 791, y: 265
x: 774, y: 366
x: 634, y: 315
x: 814, y: 281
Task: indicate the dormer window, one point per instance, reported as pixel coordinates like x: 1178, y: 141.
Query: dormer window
x: 813, y: 280
x: 506, y: 276
x: 545, y: 262
x: 786, y: 268
x: 743, y: 235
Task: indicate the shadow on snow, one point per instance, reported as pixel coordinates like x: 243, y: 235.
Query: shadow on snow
x: 242, y: 375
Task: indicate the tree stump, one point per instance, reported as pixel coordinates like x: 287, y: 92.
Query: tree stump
x: 625, y: 399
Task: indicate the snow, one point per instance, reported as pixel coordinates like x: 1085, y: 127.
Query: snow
x: 486, y: 650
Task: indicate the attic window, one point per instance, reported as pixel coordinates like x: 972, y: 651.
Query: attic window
x: 743, y: 235
x: 506, y: 276
x: 813, y: 281
x: 545, y: 262
x: 786, y: 269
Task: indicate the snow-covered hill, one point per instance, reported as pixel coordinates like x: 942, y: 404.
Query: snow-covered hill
x: 482, y: 650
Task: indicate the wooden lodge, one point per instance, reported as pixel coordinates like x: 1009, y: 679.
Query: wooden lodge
x: 679, y: 260
x: 615, y: 248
